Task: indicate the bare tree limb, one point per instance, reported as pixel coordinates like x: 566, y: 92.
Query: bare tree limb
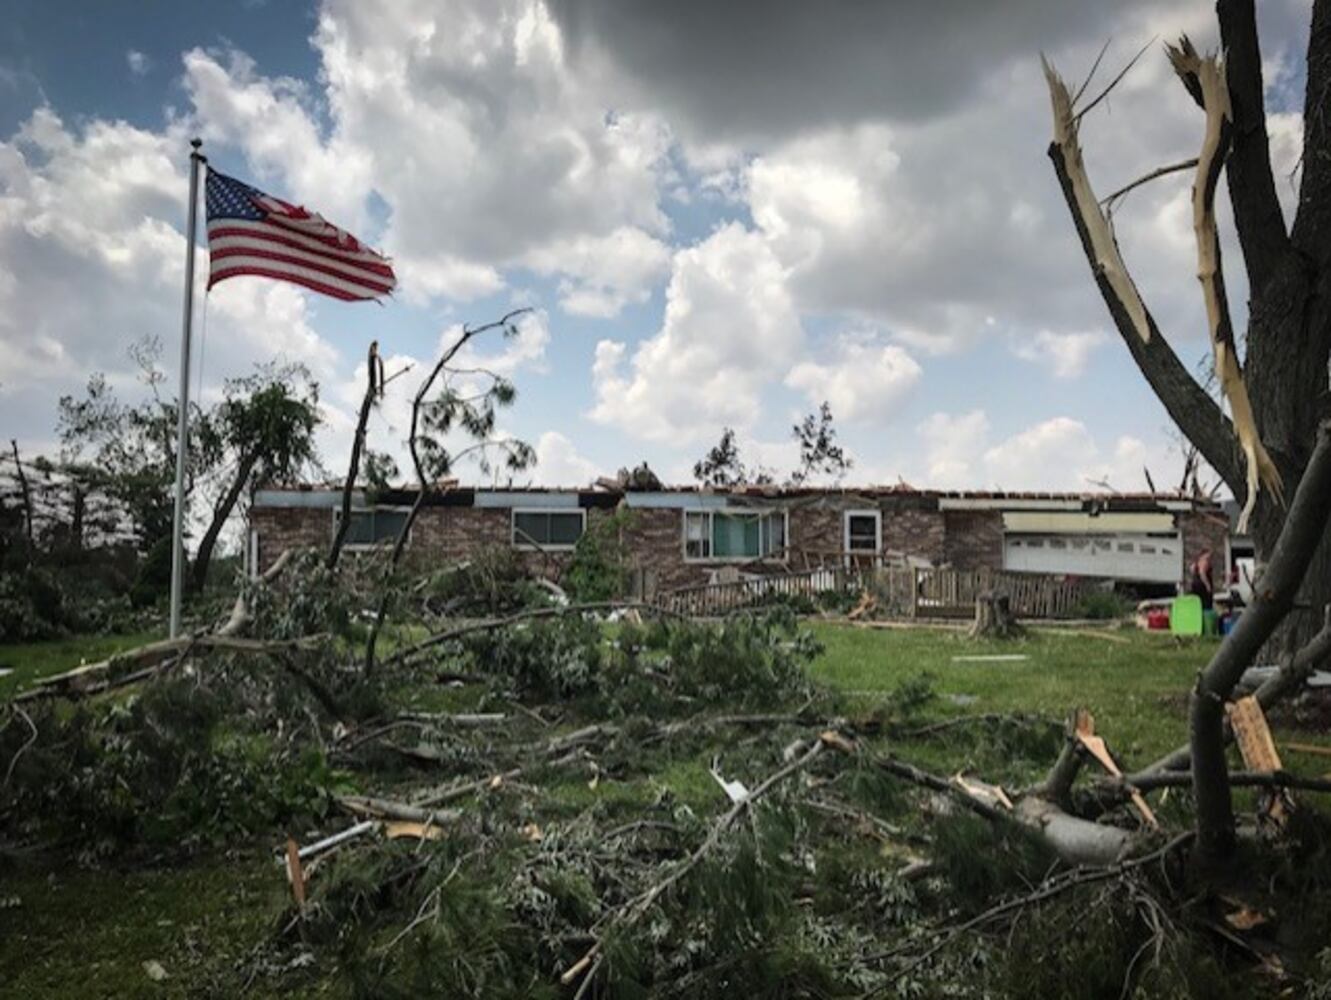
x: 1158, y: 172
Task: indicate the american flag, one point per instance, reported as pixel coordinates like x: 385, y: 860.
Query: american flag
x: 250, y: 232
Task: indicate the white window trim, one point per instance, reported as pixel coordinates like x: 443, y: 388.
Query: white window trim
x: 877, y: 516
x: 336, y: 515
x: 533, y: 546
x: 740, y: 511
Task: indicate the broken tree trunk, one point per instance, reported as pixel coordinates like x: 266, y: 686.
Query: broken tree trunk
x: 374, y: 387
x: 1273, y: 597
x: 994, y: 618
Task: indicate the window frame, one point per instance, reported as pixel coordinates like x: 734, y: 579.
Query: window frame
x: 710, y: 536
x: 350, y: 546
x: 533, y: 546
x: 877, y: 516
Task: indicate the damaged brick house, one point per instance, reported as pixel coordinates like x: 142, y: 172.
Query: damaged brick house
x: 682, y: 536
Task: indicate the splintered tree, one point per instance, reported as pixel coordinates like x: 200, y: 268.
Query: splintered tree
x: 1278, y: 392
x: 453, y: 418
x: 1278, y: 442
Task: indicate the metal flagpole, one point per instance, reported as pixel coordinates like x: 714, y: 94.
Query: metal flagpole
x: 196, y: 160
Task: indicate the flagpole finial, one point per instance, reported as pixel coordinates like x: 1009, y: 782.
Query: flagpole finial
x: 195, y: 143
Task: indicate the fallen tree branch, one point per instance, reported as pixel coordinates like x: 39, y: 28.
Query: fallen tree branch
x: 632, y: 910
x: 1237, y: 779
x: 985, y: 718
x: 1288, y: 681
x: 240, y: 610
x: 93, y: 678
x: 408, y: 653
x: 1051, y: 888
x: 365, y: 805
x: 1273, y: 597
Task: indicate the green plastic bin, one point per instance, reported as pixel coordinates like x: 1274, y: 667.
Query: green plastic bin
x: 1185, y: 615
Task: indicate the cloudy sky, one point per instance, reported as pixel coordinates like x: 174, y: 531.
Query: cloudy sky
x: 722, y: 214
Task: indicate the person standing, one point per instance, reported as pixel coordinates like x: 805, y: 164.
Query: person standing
x: 1201, y: 583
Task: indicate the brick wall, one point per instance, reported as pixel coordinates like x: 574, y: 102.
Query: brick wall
x: 440, y: 537
x: 655, y: 539
x: 282, y: 528
x: 1203, y: 530
x: 973, y: 539
x: 914, y: 531
x: 816, y: 534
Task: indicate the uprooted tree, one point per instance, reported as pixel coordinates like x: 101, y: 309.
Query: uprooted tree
x: 1279, y: 439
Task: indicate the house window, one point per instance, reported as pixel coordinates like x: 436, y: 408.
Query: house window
x: 862, y: 531
x: 548, y: 529
x: 733, y: 535
x: 373, y: 525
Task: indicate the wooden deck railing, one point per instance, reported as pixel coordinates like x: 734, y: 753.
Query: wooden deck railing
x: 899, y: 591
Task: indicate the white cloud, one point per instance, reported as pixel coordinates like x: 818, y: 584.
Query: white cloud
x: 139, y: 63
x: 1064, y: 354
x: 1060, y: 453
x: 559, y: 463
x: 865, y: 380
x: 603, y: 274
x: 1040, y: 457
x: 490, y: 153
x: 952, y: 447
x: 729, y: 329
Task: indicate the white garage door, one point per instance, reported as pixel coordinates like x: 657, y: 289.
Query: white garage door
x: 1154, y: 558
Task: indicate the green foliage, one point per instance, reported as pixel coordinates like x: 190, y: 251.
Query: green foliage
x: 662, y: 666
x: 600, y: 567
x: 191, y: 761
x: 1112, y: 951
x: 748, y: 660
x: 44, y: 601
x: 563, y: 657
x: 982, y: 862
x: 152, y: 581
x: 1102, y: 605
x: 464, y: 941
x: 494, y: 581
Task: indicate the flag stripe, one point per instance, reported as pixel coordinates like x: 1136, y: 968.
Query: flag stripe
x: 278, y: 234
x: 225, y: 249
x: 253, y: 233
x: 320, y: 282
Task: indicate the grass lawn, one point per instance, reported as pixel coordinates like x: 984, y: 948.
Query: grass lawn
x: 1135, y: 683
x: 30, y: 661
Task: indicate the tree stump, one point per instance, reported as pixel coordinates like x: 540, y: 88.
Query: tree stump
x: 994, y: 618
